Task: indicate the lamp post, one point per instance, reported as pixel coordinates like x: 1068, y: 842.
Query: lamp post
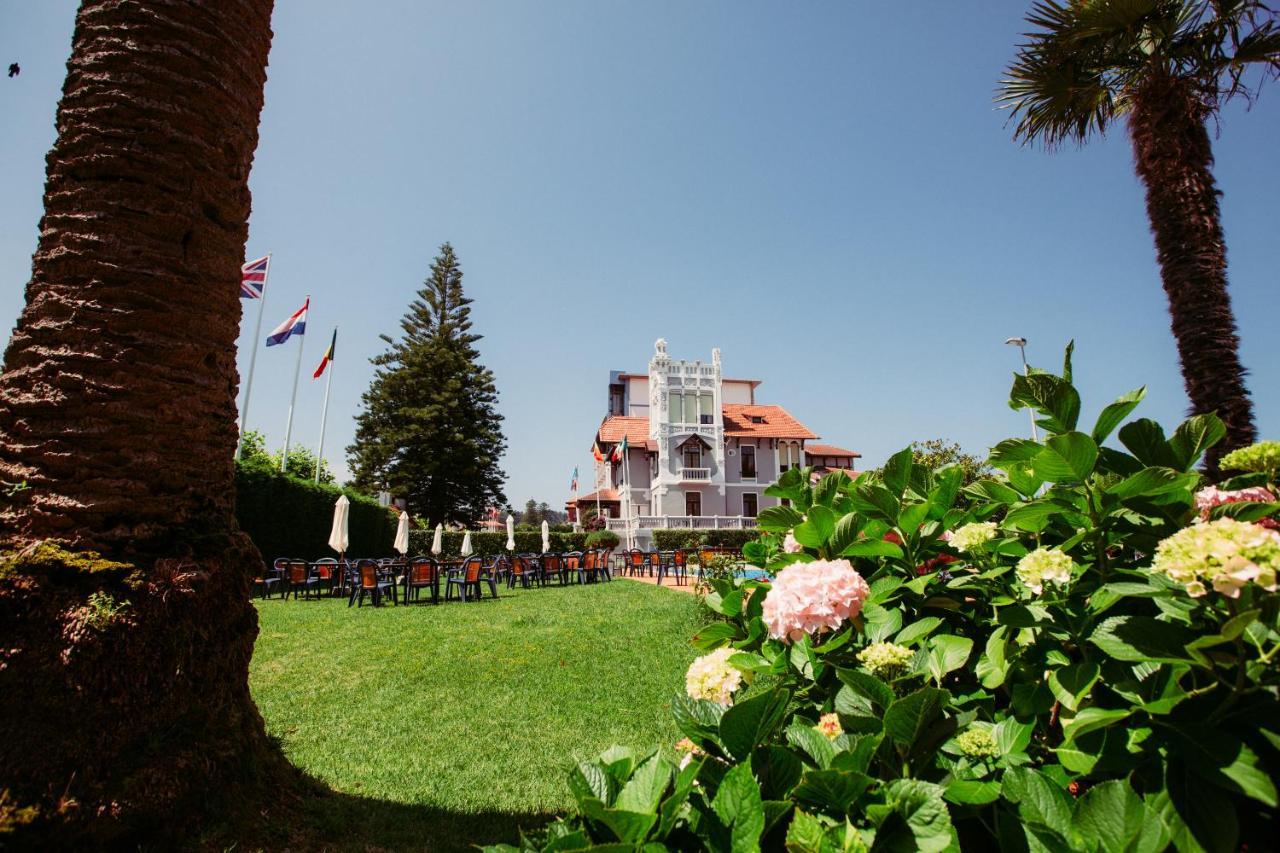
x: 1021, y: 344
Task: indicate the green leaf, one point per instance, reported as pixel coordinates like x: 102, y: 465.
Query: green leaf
x: 911, y: 715
x: 817, y: 527
x: 867, y: 685
x: 826, y: 489
x: 739, y: 805
x: 749, y: 723
x: 897, y: 471
x: 946, y: 485
x: 1031, y: 517
x: 1091, y: 719
x: 831, y: 791
x: 1012, y: 736
x: 1051, y: 396
x: 872, y: 548
x: 972, y: 792
x: 922, y: 807
x: 1040, y: 801
x: 631, y: 827
x: 947, y: 653
x: 917, y: 630
x: 846, y: 532
x: 1115, y: 412
x: 1141, y: 639
x: 714, y: 635
x: 671, y: 808
x: 993, y: 667
x: 811, y: 741
x: 1144, y: 438
x: 587, y: 780
x: 1071, y: 684
x: 1152, y: 481
x: 1014, y: 451
x: 1110, y: 815
x: 1194, y: 436
x: 778, y: 518
x: 644, y: 789
x: 993, y: 491
x: 805, y: 833
x: 1222, y: 759
x: 881, y: 623
x: 697, y: 718
x: 1066, y: 458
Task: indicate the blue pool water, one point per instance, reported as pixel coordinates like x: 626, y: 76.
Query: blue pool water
x: 753, y: 574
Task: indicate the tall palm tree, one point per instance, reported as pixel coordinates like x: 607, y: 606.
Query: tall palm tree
x: 124, y: 610
x: 1166, y: 66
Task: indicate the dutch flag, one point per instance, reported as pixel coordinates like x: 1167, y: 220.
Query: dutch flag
x: 295, y: 325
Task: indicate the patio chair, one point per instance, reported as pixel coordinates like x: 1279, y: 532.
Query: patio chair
x: 587, y: 567
x: 301, y: 579
x: 469, y: 577
x: 326, y: 572
x: 552, y: 566
x: 521, y: 572
x: 373, y: 582
x: 603, y: 563
x: 573, y: 565
x: 636, y: 564
x: 269, y: 578
x: 423, y: 573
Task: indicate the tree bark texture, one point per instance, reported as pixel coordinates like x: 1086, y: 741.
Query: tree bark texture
x: 1174, y: 158
x: 124, y: 679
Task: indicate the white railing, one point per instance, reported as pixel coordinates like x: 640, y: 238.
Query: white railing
x: 695, y: 475
x: 693, y: 522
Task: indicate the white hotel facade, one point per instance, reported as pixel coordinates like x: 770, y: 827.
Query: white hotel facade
x: 701, y: 450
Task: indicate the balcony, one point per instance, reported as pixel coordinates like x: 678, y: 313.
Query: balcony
x: 690, y: 522
x: 695, y: 475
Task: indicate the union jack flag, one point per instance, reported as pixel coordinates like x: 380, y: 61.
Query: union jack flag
x: 253, y: 278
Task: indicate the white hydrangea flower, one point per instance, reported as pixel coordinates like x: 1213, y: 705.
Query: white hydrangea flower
x: 711, y: 677
x: 885, y: 658
x: 1045, y: 565
x: 1225, y: 554
x: 973, y: 537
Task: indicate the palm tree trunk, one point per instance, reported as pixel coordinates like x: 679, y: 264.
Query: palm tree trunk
x: 124, y: 679
x: 1174, y: 159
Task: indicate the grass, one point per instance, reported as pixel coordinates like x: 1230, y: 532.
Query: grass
x: 443, y: 726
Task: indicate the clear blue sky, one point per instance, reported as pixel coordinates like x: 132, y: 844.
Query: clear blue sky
x: 823, y: 190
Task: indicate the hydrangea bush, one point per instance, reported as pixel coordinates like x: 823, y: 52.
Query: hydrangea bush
x: 1080, y: 654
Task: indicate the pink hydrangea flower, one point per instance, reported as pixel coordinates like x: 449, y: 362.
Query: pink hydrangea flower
x: 1208, y: 498
x: 790, y: 545
x: 809, y: 598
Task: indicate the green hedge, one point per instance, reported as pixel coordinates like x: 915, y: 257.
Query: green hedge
x: 669, y: 540
x: 487, y: 544
x: 289, y: 517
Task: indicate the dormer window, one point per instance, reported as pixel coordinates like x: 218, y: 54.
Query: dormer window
x: 757, y: 419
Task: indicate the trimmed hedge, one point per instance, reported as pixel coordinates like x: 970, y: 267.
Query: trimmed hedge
x: 669, y: 540
x: 289, y: 517
x: 490, y: 543
x: 603, y: 539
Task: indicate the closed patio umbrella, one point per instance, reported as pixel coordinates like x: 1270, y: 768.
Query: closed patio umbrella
x: 546, y: 537
x: 466, y: 544
x: 511, y: 532
x: 338, y: 537
x: 402, y: 534
x: 437, y: 541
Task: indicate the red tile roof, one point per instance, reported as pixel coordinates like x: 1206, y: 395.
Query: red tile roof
x: 829, y: 450
x: 606, y: 496
x: 777, y: 422
x: 636, y: 429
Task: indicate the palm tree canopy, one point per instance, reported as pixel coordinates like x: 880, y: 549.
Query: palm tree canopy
x: 1085, y: 59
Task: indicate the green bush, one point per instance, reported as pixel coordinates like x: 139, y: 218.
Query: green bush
x: 489, y: 544
x: 602, y: 539
x: 670, y: 540
x: 289, y: 517
x: 1078, y: 666
x: 735, y: 539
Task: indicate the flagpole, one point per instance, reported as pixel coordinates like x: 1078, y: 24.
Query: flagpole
x: 288, y: 427
x: 324, y: 411
x: 253, y: 359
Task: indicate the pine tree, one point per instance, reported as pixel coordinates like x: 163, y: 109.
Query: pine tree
x: 530, y: 514
x: 429, y: 431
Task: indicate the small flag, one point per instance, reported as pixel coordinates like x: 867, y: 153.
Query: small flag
x: 596, y: 454
x: 573, y: 483
x: 328, y: 356
x: 621, y: 450
x: 295, y: 325
x: 253, y: 278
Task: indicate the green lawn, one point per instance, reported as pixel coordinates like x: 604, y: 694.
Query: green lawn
x: 440, y: 726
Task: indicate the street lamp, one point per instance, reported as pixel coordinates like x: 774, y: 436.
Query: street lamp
x: 1021, y: 344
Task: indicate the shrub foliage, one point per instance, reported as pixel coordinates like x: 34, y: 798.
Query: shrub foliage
x: 1061, y: 683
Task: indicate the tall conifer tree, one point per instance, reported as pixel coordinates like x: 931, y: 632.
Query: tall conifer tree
x: 429, y: 431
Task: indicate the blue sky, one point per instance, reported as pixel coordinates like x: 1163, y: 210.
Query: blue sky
x: 823, y: 190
